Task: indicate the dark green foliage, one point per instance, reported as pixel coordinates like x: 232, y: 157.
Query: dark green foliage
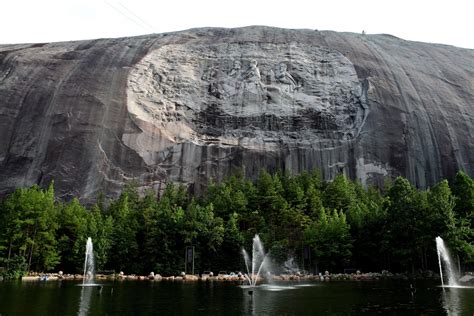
x: 367, y: 222
x: 31, y: 221
x: 339, y: 194
x: 124, y: 247
x: 72, y: 235
x: 99, y: 228
x: 406, y: 224
x: 330, y: 239
x: 16, y: 268
x: 344, y: 225
x: 231, y: 246
x: 463, y: 189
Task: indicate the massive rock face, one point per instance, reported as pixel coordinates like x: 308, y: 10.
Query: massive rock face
x: 203, y: 103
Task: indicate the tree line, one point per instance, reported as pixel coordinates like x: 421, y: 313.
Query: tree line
x: 322, y: 225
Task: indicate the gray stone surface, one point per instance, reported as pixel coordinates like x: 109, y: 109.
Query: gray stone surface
x: 467, y: 279
x: 202, y: 103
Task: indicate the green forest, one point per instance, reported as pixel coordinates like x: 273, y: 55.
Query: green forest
x: 335, y: 225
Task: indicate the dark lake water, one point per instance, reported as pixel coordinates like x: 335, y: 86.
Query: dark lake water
x: 214, y: 298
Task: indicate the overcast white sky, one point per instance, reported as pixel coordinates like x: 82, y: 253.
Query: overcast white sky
x: 24, y: 21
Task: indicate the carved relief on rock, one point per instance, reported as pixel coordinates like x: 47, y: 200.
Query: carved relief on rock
x: 284, y: 78
x: 247, y: 94
x: 250, y: 86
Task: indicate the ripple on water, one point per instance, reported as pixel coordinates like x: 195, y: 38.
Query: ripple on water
x: 90, y: 284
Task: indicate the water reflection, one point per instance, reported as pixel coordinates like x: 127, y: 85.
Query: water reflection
x: 258, y: 302
x: 451, y: 300
x: 249, y: 306
x: 263, y: 298
x: 212, y: 298
x: 85, y: 301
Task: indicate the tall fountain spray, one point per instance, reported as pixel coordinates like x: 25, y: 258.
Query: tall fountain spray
x: 257, y: 262
x: 89, y: 268
x: 443, y: 256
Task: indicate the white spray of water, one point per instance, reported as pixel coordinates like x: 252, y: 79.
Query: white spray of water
x: 258, y: 261
x: 89, y: 268
x: 443, y: 256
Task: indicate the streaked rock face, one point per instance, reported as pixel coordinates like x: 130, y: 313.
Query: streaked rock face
x: 252, y: 96
x: 192, y: 105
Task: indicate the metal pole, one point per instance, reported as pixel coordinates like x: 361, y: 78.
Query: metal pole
x: 310, y: 266
x: 459, y: 266
x: 193, y: 260
x: 303, y: 254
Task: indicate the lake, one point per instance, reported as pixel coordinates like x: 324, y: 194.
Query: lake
x: 218, y: 298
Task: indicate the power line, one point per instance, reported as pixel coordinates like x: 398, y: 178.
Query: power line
x: 140, y: 24
x: 139, y: 18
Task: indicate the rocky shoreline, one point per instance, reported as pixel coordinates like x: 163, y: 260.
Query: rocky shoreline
x: 239, y: 278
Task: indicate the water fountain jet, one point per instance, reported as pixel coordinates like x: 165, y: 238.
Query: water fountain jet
x: 257, y: 262
x: 443, y: 256
x: 89, y: 266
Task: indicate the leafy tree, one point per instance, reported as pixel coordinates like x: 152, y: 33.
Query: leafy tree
x: 295, y: 193
x: 16, y: 268
x: 409, y: 225
x: 147, y: 218
x: 341, y: 221
x: 339, y: 194
x: 124, y: 247
x: 456, y: 231
x: 367, y: 226
x: 165, y: 234
x: 312, y: 178
x: 330, y: 239
x: 271, y: 202
x: 231, y: 247
x: 442, y: 203
x: 203, y: 230
x: 32, y: 225
x: 279, y: 251
x: 464, y: 241
x: 100, y: 228
x: 8, y: 227
x: 227, y: 198
x: 314, y: 202
x: 71, y: 235
x: 463, y: 189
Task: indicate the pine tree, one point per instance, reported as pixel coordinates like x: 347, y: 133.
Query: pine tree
x: 339, y: 194
x: 72, y: 235
x: 463, y: 189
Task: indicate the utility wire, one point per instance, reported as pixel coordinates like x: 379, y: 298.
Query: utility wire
x: 126, y: 16
x: 139, y: 18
